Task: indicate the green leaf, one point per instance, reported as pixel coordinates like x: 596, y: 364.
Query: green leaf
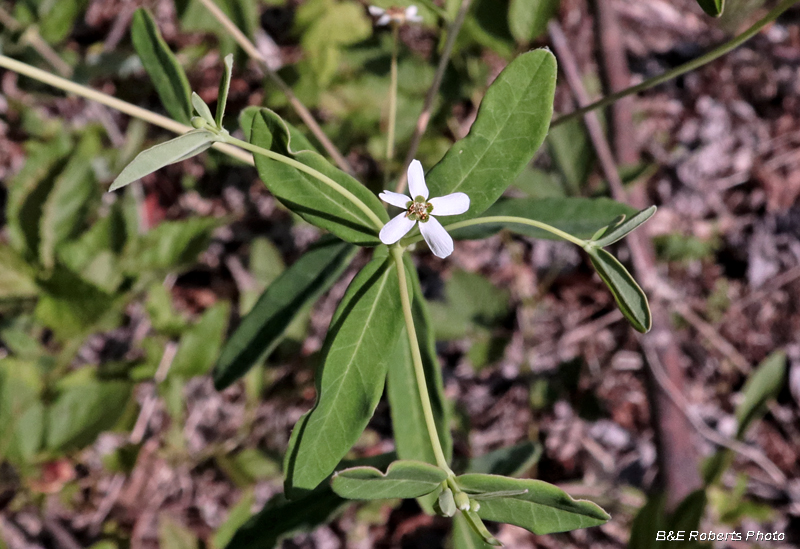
x: 625, y: 227
x: 16, y: 276
x: 762, y: 386
x: 580, y: 217
x: 281, y: 517
x: 69, y: 305
x: 202, y: 109
x: 237, y: 516
x: 224, y: 88
x: 182, y: 147
x: 21, y: 410
x: 510, y: 461
x: 83, y: 410
x: 712, y: 7
x: 66, y: 206
x: 511, y: 124
x: 527, y: 19
x: 408, y: 423
x: 305, y: 195
x: 200, y: 344
x: 403, y: 479
x: 630, y: 298
x: 162, y: 66
x: 301, y: 284
x: 463, y: 535
x: 171, y: 245
x: 326, y: 28
x: 350, y: 378
x: 28, y: 191
x: 174, y: 535
x: 471, y: 301
x: 543, y: 509
x: 572, y: 153
x: 648, y: 521
x: 57, y: 19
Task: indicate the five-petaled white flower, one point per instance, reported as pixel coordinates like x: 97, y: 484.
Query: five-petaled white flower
x: 395, y: 15
x: 421, y: 209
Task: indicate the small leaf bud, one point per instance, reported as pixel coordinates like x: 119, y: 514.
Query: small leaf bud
x: 462, y: 501
x: 198, y: 122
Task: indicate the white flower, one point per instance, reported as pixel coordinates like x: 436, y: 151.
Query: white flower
x: 395, y: 15
x: 421, y: 209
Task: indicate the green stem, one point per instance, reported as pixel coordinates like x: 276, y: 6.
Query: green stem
x: 503, y: 219
x: 392, y: 102
x: 416, y: 357
x: 301, y: 110
x: 113, y: 102
x: 686, y: 67
x: 310, y: 171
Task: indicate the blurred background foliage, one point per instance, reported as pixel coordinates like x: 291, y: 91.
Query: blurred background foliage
x: 114, y: 307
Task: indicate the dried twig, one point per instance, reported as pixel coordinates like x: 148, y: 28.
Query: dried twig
x: 301, y: 110
x: 753, y: 454
x: 427, y: 108
x: 676, y: 453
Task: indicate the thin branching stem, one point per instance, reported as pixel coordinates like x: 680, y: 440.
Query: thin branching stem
x: 495, y: 219
x: 683, y: 69
x: 392, y: 102
x: 433, y: 91
x: 112, y: 102
x: 357, y: 202
x: 298, y: 106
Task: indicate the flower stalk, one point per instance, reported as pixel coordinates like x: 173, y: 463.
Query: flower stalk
x: 392, y: 102
x: 416, y: 357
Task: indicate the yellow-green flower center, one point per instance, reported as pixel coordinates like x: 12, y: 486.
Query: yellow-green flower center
x: 419, y: 209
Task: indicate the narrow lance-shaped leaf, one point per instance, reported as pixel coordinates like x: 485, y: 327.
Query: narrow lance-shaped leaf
x: 403, y: 479
x: 316, y: 202
x: 146, y: 162
x: 630, y: 298
x: 297, y: 286
x: 713, y: 8
x: 281, y: 517
x: 162, y: 66
x: 202, y: 109
x: 350, y: 377
x: 542, y: 508
x: 764, y: 384
x: 511, y: 124
x: 580, y: 217
x: 66, y: 206
x: 463, y: 535
x: 625, y: 227
x: 224, y: 87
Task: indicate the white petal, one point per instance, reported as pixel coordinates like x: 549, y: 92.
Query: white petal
x: 383, y: 20
x: 440, y: 243
x: 451, y: 204
x: 396, y: 229
x: 416, y: 180
x: 395, y: 199
x: 412, y: 15
x: 375, y: 11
